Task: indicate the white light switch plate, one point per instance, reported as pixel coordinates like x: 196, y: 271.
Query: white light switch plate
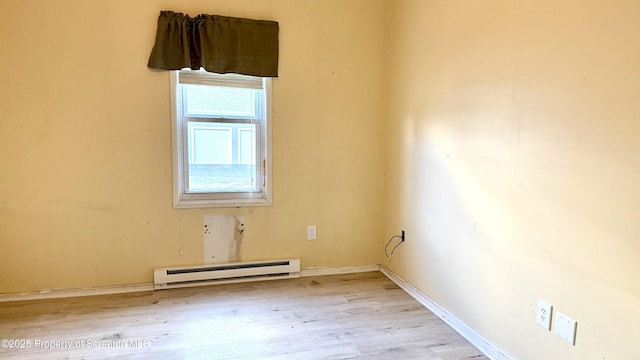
x: 565, y: 327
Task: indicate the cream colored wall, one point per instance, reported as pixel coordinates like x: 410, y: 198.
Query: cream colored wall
x: 512, y: 160
x: 85, y: 185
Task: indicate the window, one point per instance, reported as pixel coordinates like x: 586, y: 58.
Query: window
x: 221, y: 140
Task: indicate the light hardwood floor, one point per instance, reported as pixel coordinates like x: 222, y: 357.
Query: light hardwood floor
x: 326, y: 317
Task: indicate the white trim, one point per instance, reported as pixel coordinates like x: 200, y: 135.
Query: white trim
x: 338, y: 271
x: 67, y: 293
x: 176, y: 133
x: 477, y: 340
x: 123, y: 289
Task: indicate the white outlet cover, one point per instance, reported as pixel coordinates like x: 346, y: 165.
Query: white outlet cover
x: 565, y: 328
x: 544, y: 313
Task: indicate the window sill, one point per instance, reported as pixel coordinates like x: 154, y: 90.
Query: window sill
x: 237, y: 203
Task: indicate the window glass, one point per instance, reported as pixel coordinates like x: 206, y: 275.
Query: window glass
x: 222, y: 157
x: 220, y: 101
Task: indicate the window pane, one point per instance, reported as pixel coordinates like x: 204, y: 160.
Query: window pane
x: 247, y: 151
x: 222, y: 157
x: 211, y: 145
x: 219, y: 101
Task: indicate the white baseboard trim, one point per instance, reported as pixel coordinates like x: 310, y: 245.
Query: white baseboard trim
x: 477, y: 340
x: 339, y: 270
x: 123, y: 289
x: 67, y: 293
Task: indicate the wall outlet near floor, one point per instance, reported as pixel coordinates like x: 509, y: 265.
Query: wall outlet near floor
x: 312, y: 232
x: 543, y: 315
x: 565, y: 327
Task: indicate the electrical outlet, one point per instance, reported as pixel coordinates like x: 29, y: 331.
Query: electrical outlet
x: 543, y: 315
x: 565, y: 327
x: 312, y: 232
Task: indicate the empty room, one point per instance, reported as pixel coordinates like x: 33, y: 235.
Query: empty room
x: 320, y: 179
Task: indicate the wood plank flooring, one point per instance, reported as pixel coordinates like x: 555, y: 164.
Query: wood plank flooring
x: 326, y: 317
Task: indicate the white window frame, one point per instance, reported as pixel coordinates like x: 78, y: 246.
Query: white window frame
x: 182, y: 199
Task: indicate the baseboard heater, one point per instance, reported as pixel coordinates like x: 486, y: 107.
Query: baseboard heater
x: 186, y: 276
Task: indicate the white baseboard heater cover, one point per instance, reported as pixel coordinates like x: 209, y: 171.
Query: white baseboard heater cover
x: 186, y: 276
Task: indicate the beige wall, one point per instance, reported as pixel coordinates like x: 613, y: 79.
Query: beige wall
x: 85, y: 179
x: 512, y: 159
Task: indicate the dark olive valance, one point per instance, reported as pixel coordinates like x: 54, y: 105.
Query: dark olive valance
x: 218, y: 44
